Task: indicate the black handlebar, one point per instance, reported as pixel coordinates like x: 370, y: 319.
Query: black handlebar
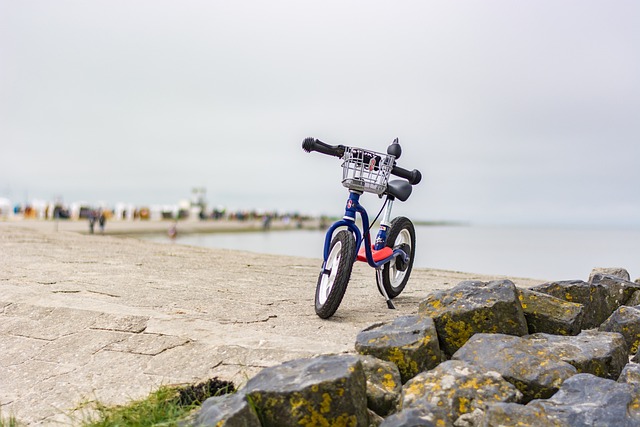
x: 414, y: 177
x: 311, y: 144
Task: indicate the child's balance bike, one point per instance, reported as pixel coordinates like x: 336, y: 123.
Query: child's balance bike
x: 393, y: 251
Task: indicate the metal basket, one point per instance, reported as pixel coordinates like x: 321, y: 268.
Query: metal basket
x: 365, y: 170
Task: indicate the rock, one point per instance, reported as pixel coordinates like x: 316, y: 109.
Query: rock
x: 610, y: 271
x: 229, y: 410
x: 603, y: 354
x: 459, y: 388
x: 618, y: 290
x: 634, y: 299
x: 470, y: 419
x: 587, y: 400
x: 424, y: 416
x: 383, y: 385
x: 630, y: 374
x: 512, y: 415
x: 626, y: 321
x: 374, y: 419
x: 324, y: 390
x: 474, y: 307
x: 410, y: 342
x: 592, y: 296
x: 548, y: 314
x: 535, y: 370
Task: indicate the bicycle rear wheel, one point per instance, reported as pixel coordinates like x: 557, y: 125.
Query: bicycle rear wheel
x: 332, y: 282
x: 395, y: 274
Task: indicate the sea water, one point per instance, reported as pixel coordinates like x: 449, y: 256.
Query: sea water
x: 532, y: 252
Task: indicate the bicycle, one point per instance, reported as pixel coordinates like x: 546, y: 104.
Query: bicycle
x: 392, y: 252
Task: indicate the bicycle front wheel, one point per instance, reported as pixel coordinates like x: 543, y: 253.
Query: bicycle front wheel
x: 332, y: 282
x: 395, y: 274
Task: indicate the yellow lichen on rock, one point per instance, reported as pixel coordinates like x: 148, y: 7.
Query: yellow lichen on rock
x: 325, y: 405
x: 406, y: 366
x: 314, y: 415
x: 457, y: 332
x: 435, y: 303
x: 388, y: 382
x: 380, y: 339
x: 411, y: 391
x: 521, y: 298
x: 464, y: 404
x: 296, y: 402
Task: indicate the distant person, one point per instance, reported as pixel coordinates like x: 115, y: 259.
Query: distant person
x: 173, y: 231
x: 266, y: 222
x: 92, y: 221
x: 102, y: 219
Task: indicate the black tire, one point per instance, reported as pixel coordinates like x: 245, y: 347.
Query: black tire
x: 395, y: 274
x: 332, y: 283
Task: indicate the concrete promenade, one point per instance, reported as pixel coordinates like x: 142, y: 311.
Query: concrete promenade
x: 86, y: 317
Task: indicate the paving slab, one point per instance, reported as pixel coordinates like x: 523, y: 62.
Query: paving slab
x: 85, y: 317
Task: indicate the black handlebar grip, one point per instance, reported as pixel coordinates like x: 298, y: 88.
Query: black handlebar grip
x: 312, y: 144
x: 414, y: 177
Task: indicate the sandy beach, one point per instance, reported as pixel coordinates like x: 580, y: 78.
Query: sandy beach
x: 85, y: 317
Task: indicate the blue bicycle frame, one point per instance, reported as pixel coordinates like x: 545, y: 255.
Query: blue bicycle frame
x: 349, y: 221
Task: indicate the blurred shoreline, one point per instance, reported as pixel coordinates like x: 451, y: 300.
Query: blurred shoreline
x: 142, y: 227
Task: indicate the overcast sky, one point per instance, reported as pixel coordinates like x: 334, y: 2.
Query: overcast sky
x: 515, y: 112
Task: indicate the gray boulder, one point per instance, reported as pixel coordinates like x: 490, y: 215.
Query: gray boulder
x: 587, y: 400
x: 551, y: 315
x: 626, y: 321
x: 618, y: 291
x: 535, y: 370
x: 324, y: 390
x: 619, y: 272
x: 410, y: 342
x: 229, y: 410
x: 515, y: 415
x: 474, y: 307
x: 459, y: 388
x: 634, y: 299
x: 599, y: 353
x: 424, y: 416
x: 383, y: 385
x: 374, y: 419
x: 592, y: 296
x: 630, y: 374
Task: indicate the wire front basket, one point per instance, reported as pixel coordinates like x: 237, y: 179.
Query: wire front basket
x: 365, y: 170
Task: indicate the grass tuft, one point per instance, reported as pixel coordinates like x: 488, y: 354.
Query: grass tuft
x: 10, y: 422
x: 165, y: 407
